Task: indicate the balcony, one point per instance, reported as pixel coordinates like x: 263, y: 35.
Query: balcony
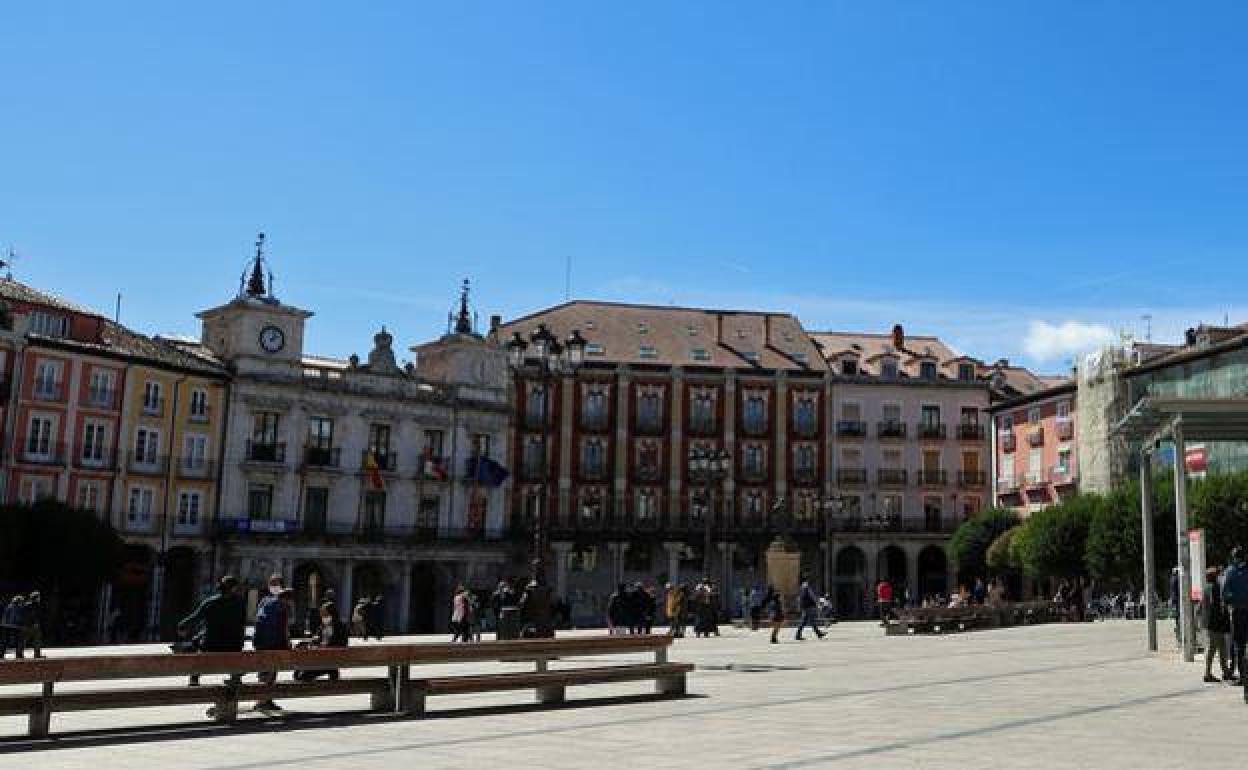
x: 892, y: 477
x: 754, y: 427
x: 702, y: 426
x: 1065, y: 428
x: 1008, y: 442
x: 851, y: 428
x: 806, y: 428
x: 266, y: 452
x: 44, y: 454
x: 1062, y: 475
x: 201, y: 415
x: 195, y: 467
x: 434, y: 468
x: 1007, y: 485
x: 536, y: 421
x: 104, y: 460
x: 932, y: 431
x: 322, y: 457
x: 933, y: 478
x: 851, y: 477
x: 648, y: 474
x: 970, y: 432
x: 49, y: 391
x: 386, y: 460
x: 805, y: 476
x: 648, y: 426
x: 753, y: 474
x: 154, y: 407
x: 891, y: 429
x: 970, y: 479
x: 1033, y: 479
x: 101, y: 398
x: 242, y: 525
x: 147, y: 464
x: 1035, y: 436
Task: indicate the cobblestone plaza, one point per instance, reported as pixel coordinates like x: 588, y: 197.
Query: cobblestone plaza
x: 1044, y: 696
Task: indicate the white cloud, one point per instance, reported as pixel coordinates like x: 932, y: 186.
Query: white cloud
x: 1047, y: 342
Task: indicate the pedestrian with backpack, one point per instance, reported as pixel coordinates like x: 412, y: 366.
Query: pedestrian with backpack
x: 808, y: 603
x: 272, y: 632
x: 1235, y: 597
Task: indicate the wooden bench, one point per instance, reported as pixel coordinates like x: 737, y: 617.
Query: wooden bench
x: 397, y: 691
x: 923, y: 620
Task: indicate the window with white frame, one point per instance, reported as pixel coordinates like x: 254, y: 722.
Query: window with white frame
x: 199, y: 404
x: 146, y: 446
x: 891, y: 413
x: 39, y: 437
x: 1063, y: 461
x: 647, y: 504
x: 195, y: 452
x: 1007, y: 468
x: 1033, y: 414
x: 151, y: 397
x: 888, y: 368
x: 139, y: 506
x: 90, y: 495
x: 35, y: 488
x: 892, y: 505
x: 1063, y: 410
x: 48, y: 379
x: 48, y: 324
x: 1035, y: 464
x: 94, y: 442
x: 188, y: 509
x: 100, y: 387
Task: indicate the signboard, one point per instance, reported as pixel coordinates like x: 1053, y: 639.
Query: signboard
x: 1196, y: 542
x: 1197, y: 459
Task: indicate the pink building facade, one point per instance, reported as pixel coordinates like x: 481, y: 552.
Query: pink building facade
x: 1034, y: 449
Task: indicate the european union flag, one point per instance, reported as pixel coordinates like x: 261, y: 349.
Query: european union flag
x: 489, y: 472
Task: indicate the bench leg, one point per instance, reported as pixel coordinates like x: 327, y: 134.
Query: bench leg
x: 670, y: 685
x: 401, y: 688
x: 40, y: 722
x: 550, y: 694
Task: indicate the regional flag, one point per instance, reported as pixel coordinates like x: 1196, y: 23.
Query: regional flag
x: 431, y: 468
x: 375, y: 481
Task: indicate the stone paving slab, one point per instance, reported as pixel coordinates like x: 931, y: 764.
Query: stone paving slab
x: 1044, y: 696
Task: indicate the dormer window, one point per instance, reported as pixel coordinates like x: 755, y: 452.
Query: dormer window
x: 798, y: 357
x: 750, y: 356
x: 594, y: 349
x: 849, y: 367
x: 692, y: 330
x: 48, y: 324
x: 888, y: 368
x: 648, y: 352
x: 966, y: 372
x: 700, y: 354
x: 927, y: 370
x: 642, y: 328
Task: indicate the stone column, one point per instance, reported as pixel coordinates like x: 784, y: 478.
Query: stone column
x: 727, y: 582
x: 730, y: 441
x: 673, y: 561
x: 405, y: 597
x: 561, y: 548
x: 912, y: 570
x: 830, y: 461
x: 676, y: 453
x: 346, y: 587
x: 567, y: 418
x: 780, y: 447
x: 623, y: 414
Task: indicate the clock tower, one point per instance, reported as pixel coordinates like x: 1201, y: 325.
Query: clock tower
x: 255, y: 332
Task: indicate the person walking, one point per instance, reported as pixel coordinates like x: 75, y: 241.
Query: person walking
x: 1217, y: 624
x: 773, y: 605
x: 12, y: 624
x: 616, y: 611
x: 375, y: 618
x: 218, y: 623
x: 32, y: 624
x: 808, y: 604
x: 272, y: 632
x: 675, y: 609
x: 1235, y: 597
x: 648, y: 604
x: 359, y: 618
x: 460, y: 629
x: 755, y: 605
x: 884, y: 600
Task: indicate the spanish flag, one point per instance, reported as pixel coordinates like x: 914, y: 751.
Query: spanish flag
x: 375, y: 481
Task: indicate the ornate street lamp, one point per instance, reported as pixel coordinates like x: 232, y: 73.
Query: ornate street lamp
x: 708, y: 468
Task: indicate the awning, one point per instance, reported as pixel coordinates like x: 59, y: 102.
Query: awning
x: 1203, y: 419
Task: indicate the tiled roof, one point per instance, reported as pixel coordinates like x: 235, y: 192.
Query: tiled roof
x: 678, y: 336
x: 871, y: 349
x: 16, y: 291
x: 123, y: 342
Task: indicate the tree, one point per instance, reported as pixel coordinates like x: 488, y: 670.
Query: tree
x: 1219, y: 505
x: 969, y: 546
x: 1052, y: 542
x: 1000, y: 556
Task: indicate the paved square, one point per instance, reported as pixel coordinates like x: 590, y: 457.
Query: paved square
x: 1047, y: 696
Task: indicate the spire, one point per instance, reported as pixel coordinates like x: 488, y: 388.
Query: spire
x: 463, y: 322
x: 255, y: 284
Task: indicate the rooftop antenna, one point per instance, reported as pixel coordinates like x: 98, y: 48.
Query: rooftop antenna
x: 117, y: 310
x: 1148, y: 327
x: 7, y: 262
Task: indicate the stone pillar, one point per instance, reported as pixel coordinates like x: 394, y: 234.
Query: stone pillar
x: 567, y: 418
x: 730, y: 441
x: 676, y: 451
x: 561, y: 548
x: 617, y: 562
x: 780, y: 429
x: 673, y: 561
x: 623, y: 414
x: 727, y: 583
x: 405, y: 597
x: 346, y: 586
x: 912, y: 571
x: 286, y: 568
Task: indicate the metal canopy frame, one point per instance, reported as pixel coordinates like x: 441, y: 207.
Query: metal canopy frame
x: 1149, y: 423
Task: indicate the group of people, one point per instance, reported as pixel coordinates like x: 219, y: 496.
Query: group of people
x: 21, y: 625
x: 630, y: 609
x: 521, y: 610
x: 368, y: 618
x: 1224, y: 615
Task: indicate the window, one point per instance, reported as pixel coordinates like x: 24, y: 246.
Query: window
x: 427, y: 515
x: 888, y: 368
x: 100, y: 388
x: 755, y: 417
x: 433, y: 443
x: 931, y: 461
x: 315, y: 509
x: 591, y: 507
x: 691, y: 330
x: 535, y: 408
x: 927, y: 370
x: 199, y: 404
x: 892, y: 506
x: 320, y: 432
x: 48, y: 324
x: 593, y: 458
x: 1007, y: 423
x: 851, y: 411
x: 36, y: 488
x: 932, y: 512
x: 594, y: 349
x: 480, y: 445
x: 532, y: 505
x: 891, y: 413
x: 702, y: 411
x: 754, y: 504
x: 804, y: 460
x: 146, y: 446
x: 195, y: 452
x: 188, y: 509
x: 264, y: 428
x: 94, y: 441
x: 700, y: 354
x: 1007, y: 468
x: 849, y: 367
x: 649, y: 412
x: 152, y: 402
x: 647, y: 351
x: 753, y: 461
x: 970, y: 415
x: 1063, y: 410
x: 929, y: 417
x: 966, y: 372
x: 260, y: 501
x: 642, y: 328
x: 139, y: 507
x: 1063, y: 461
x: 39, y: 437
x: 595, y: 409
x: 1035, y: 463
x: 1033, y: 414
x: 805, y: 417
x: 534, y: 457
x: 48, y: 380
x: 647, y: 504
x: 750, y: 356
x: 890, y: 458
x: 373, y: 517
x: 89, y: 496
x: 379, y: 441
x: 851, y: 458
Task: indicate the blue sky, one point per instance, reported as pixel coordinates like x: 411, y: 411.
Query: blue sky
x: 1020, y: 178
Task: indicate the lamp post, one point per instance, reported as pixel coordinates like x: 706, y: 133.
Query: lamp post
x: 542, y: 358
x: 876, y: 522
x: 708, y: 468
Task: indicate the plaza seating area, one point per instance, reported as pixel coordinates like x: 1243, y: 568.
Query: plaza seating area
x: 944, y: 620
x: 384, y: 672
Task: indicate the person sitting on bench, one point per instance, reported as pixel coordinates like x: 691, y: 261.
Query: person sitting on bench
x: 333, y: 634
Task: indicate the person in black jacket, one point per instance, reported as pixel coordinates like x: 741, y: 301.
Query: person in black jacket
x: 219, y: 622
x: 1217, y: 622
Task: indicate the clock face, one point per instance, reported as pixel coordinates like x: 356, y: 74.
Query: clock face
x: 272, y: 339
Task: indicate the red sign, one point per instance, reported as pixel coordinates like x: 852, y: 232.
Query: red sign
x: 1197, y: 460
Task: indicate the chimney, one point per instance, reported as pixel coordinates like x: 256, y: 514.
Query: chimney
x: 1002, y: 363
x: 1189, y: 336
x: 899, y: 337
